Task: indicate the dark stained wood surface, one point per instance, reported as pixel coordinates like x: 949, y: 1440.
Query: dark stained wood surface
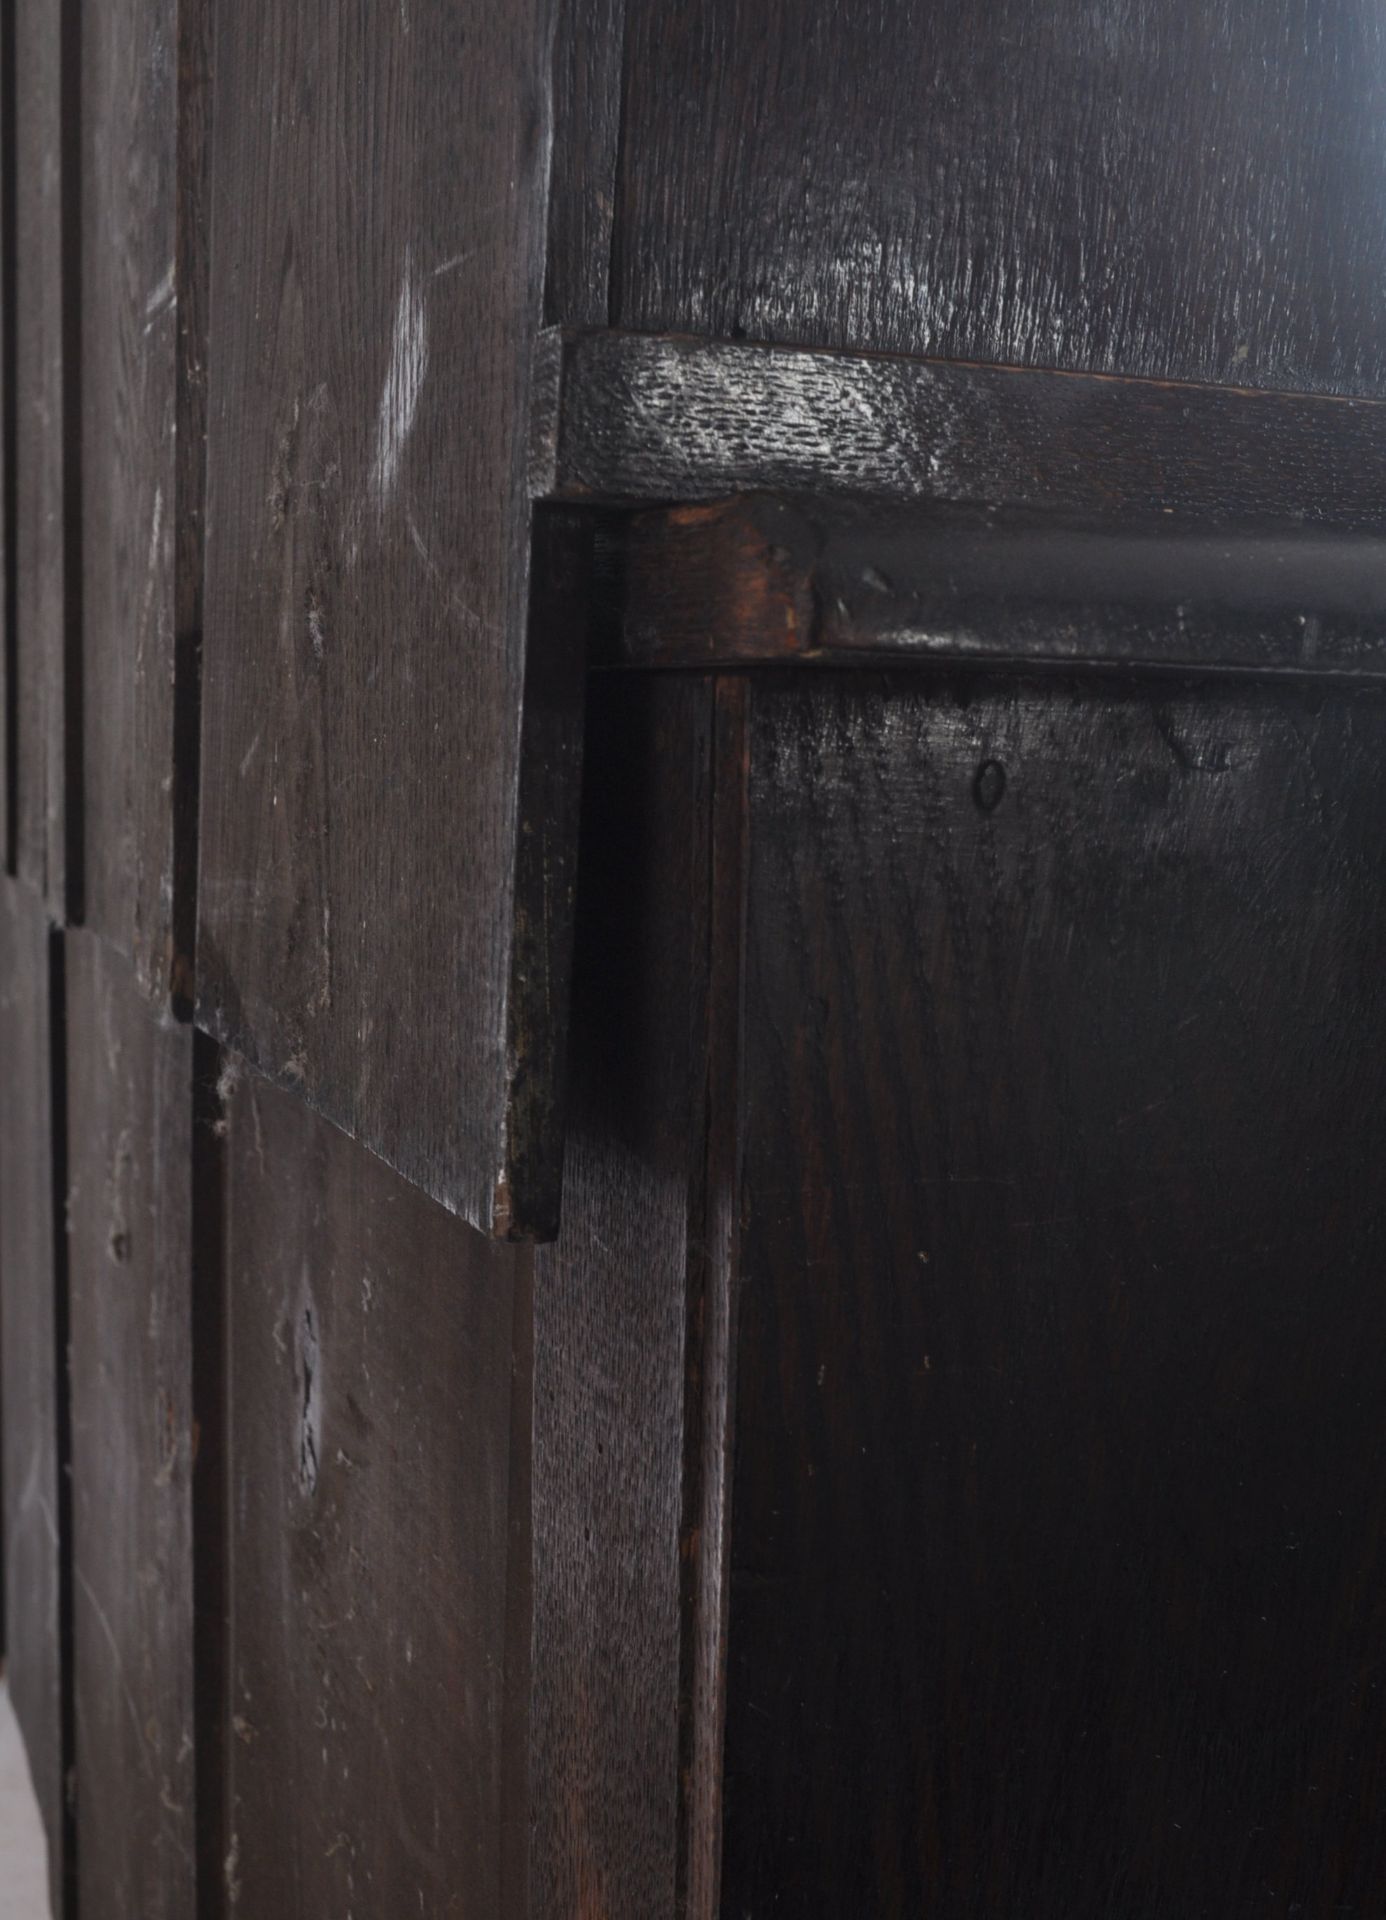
x: 142, y: 315
x: 369, y: 1459
x: 632, y: 417
x: 588, y: 45
x: 133, y: 1439
x: 756, y: 579
x: 611, y: 1324
x: 378, y: 232
x: 1186, y: 192
x: 33, y: 1343
x: 1058, y: 1540
x: 44, y: 443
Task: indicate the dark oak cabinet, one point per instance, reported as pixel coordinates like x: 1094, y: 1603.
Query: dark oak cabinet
x: 692, y: 954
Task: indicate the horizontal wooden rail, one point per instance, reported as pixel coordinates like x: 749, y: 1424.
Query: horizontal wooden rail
x: 630, y: 418
x: 763, y: 580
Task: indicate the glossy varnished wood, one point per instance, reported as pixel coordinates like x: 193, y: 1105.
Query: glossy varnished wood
x: 1057, y: 1536
x: 633, y: 417
x: 143, y: 240
x: 369, y: 1446
x: 33, y: 1383
x: 1145, y: 189
x: 133, y: 1438
x: 378, y: 227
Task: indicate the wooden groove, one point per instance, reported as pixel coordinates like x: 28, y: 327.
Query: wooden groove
x: 759, y: 580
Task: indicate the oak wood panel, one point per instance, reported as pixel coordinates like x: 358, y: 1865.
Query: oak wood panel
x: 1145, y: 188
x: 133, y: 1439
x: 625, y: 417
x: 613, y: 1345
x: 1057, y: 1536
x: 368, y: 1446
x: 378, y: 228
x: 758, y: 579
x: 33, y: 1345
x: 44, y: 44
x: 144, y: 242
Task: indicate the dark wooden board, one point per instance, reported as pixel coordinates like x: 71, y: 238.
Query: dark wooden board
x: 1186, y: 192
x: 613, y: 1341
x: 1059, y: 1545
x: 9, y: 718
x: 368, y: 583
x: 588, y: 46
x: 33, y: 1389
x: 129, y: 1084
x: 757, y: 579
x: 369, y: 1449
x: 632, y: 417
x: 142, y: 316
x: 45, y: 439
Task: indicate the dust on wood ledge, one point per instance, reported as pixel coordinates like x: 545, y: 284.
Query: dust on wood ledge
x: 627, y: 418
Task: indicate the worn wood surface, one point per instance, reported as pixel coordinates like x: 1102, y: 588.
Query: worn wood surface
x: 631, y: 417
x: 1057, y: 1539
x: 9, y: 718
x: 1149, y: 189
x: 611, y: 1324
x: 756, y: 579
x: 33, y: 1369
x: 369, y: 1450
x: 588, y: 47
x: 378, y: 236
x: 143, y: 311
x: 45, y: 444
x: 129, y: 1079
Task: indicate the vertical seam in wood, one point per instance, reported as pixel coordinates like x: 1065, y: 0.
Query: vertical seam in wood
x: 211, y: 1466
x: 614, y: 263
x: 519, y: 1603
x: 711, y: 1322
x: 62, y: 1404
x: 192, y: 141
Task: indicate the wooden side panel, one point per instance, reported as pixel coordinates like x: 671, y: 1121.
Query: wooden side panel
x: 32, y: 1342
x: 129, y: 1217
x: 141, y: 458
x: 368, y: 1441
x: 611, y: 1354
x: 42, y: 50
x: 1188, y: 192
x: 1059, y: 1541
x: 378, y: 232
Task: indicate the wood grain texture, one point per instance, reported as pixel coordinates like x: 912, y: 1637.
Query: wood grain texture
x: 631, y: 417
x: 33, y: 1340
x: 133, y: 1439
x: 756, y: 579
x: 1189, y: 193
x: 379, y: 223
x: 369, y: 1450
x: 587, y: 84
x: 1058, y: 1544
x: 43, y: 434
x: 143, y: 242
x: 9, y: 718
x: 611, y: 1320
